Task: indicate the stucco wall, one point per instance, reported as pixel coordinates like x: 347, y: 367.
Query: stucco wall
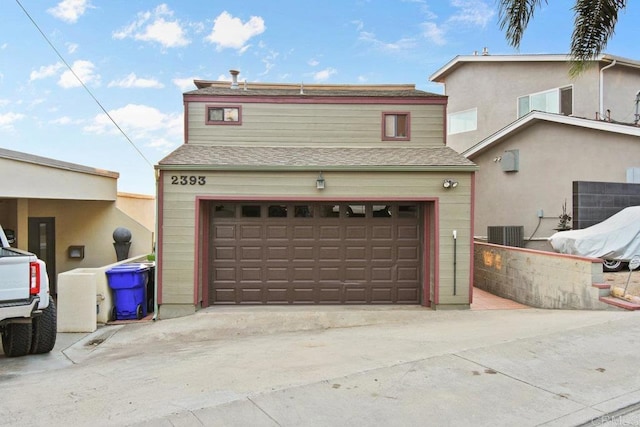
x: 538, y: 279
x: 551, y: 157
x: 178, y: 221
x: 140, y: 207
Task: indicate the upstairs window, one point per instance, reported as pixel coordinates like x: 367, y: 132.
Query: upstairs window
x: 559, y: 101
x: 395, y: 126
x: 227, y: 115
x: 463, y: 121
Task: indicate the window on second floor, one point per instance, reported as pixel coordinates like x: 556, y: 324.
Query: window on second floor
x: 462, y: 121
x: 559, y: 101
x: 395, y: 126
x: 227, y: 115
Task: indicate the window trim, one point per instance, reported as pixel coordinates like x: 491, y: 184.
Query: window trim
x: 558, y: 90
x: 461, y: 112
x: 222, y: 122
x: 384, y: 123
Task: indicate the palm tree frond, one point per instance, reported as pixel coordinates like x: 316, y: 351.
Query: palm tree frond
x: 514, y: 16
x: 595, y: 21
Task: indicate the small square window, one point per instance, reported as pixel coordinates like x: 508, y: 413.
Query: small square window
x: 395, y: 126
x: 218, y: 115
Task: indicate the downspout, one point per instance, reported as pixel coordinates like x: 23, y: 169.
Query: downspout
x: 602, y: 87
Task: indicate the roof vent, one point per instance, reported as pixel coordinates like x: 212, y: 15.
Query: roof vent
x: 485, y: 51
x: 234, y: 78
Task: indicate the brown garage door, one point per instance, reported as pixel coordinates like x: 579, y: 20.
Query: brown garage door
x: 315, y: 253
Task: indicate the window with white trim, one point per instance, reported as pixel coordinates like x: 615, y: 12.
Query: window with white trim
x: 559, y: 101
x: 462, y: 121
x: 395, y: 126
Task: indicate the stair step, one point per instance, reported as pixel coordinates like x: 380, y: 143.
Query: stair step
x: 627, y: 305
x: 601, y: 285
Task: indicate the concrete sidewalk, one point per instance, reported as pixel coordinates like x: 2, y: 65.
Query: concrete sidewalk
x: 338, y: 366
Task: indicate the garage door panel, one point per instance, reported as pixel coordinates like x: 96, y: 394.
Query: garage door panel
x: 224, y: 232
x: 277, y: 253
x: 277, y: 232
x: 407, y: 253
x: 225, y: 253
x: 355, y: 233
x: 407, y: 295
x: 329, y: 232
x: 382, y: 295
x: 251, y: 253
x: 328, y: 274
x: 303, y: 232
x: 304, y: 253
x: 251, y: 232
x: 315, y: 259
x: 381, y: 253
x: 355, y: 295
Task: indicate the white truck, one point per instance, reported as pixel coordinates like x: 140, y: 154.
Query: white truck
x: 27, y: 311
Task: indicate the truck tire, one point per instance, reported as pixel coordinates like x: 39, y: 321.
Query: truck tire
x: 16, y: 339
x: 44, y: 330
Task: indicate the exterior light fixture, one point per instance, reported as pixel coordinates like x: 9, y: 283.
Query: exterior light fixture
x: 320, y: 182
x: 449, y: 183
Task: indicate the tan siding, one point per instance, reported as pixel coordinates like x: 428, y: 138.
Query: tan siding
x: 179, y: 215
x: 324, y: 124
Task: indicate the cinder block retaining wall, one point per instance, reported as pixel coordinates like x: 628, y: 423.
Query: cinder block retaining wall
x: 537, y: 278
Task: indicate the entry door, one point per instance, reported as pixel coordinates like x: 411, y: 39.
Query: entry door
x: 42, y: 242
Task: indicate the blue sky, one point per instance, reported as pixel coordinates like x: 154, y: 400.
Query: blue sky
x: 137, y: 57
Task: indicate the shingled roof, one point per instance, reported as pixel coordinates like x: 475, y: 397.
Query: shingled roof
x: 299, y: 157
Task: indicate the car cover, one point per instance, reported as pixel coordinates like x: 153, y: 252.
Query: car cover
x: 615, y: 238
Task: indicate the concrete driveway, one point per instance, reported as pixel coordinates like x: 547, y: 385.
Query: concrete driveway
x: 334, y: 366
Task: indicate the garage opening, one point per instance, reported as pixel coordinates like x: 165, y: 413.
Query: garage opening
x: 315, y: 253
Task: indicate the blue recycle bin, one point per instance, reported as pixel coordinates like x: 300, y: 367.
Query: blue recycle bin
x: 129, y: 285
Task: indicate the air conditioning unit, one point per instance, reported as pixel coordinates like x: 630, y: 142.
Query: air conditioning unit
x: 507, y: 235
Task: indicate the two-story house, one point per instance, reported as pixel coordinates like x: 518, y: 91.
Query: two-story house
x: 534, y: 130
x: 314, y: 194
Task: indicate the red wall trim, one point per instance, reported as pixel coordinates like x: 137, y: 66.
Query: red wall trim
x: 159, y: 252
x: 306, y: 99
x: 202, y: 229
x: 436, y: 256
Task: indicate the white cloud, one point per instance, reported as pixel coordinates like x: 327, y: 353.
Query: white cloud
x: 84, y: 70
x: 400, y: 45
x: 4, y: 102
x: 134, y: 81
x: 359, y: 25
x: 230, y: 32
x: 138, y: 122
x: 46, y: 71
x: 185, y: 84
x: 72, y: 47
x: 65, y: 120
x: 434, y: 33
x: 163, y: 145
x: 153, y: 27
x: 324, y: 75
x: 7, y: 120
x: 473, y: 12
x: 362, y: 79
x: 70, y: 10
x: 313, y: 62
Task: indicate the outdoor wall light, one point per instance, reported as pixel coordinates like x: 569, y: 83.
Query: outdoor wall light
x: 320, y: 182
x: 449, y: 183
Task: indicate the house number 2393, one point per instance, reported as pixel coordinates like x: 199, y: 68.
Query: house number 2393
x: 188, y: 180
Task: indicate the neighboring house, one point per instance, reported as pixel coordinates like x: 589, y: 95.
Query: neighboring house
x: 322, y: 194
x: 488, y: 92
x: 533, y: 131
x: 66, y: 213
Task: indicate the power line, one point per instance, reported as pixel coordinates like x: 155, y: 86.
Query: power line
x: 83, y: 85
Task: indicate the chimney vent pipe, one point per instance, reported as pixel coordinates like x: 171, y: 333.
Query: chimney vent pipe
x: 234, y: 78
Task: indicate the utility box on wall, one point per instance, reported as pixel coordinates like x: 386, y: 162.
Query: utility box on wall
x: 507, y: 235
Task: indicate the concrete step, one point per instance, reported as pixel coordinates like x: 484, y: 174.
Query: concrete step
x: 621, y: 303
x: 604, y: 289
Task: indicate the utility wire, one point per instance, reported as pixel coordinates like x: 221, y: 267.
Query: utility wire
x: 83, y: 85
